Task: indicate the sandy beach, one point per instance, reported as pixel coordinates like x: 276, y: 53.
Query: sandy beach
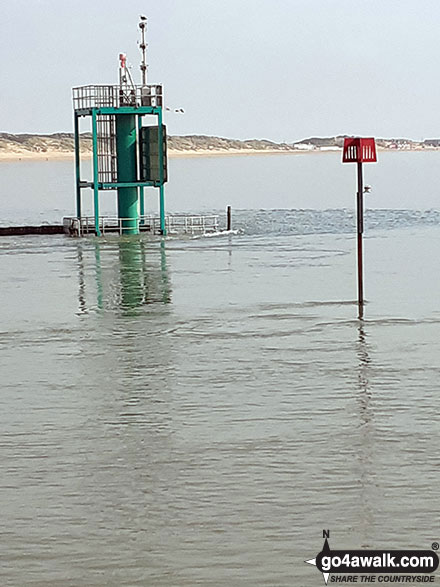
x: 54, y: 155
x: 190, y: 153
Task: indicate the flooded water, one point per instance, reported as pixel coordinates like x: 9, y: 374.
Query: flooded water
x: 196, y: 412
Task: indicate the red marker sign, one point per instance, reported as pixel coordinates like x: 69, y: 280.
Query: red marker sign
x: 359, y: 150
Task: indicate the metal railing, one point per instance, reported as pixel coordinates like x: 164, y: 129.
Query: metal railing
x: 190, y: 224
x: 175, y: 225
x: 106, y: 148
x: 100, y: 96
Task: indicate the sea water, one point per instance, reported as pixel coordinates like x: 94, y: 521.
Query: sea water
x: 196, y: 412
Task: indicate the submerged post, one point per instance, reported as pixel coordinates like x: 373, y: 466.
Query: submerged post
x: 228, y: 218
x: 359, y: 150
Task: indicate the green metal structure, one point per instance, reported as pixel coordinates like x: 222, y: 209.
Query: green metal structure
x: 127, y: 156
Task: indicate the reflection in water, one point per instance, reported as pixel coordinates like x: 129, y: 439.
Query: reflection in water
x: 366, y: 438
x: 166, y: 288
x: 128, y: 274
x: 229, y: 253
x: 364, y: 365
x: 98, y: 275
x: 131, y: 263
x: 81, y: 282
x: 209, y: 440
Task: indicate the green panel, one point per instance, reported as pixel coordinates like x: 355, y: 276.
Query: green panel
x: 127, y: 172
x: 141, y: 189
x: 150, y: 154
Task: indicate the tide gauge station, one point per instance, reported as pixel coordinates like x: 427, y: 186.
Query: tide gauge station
x: 128, y: 155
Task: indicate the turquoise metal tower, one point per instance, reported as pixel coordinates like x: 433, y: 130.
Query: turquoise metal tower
x: 126, y: 159
x: 127, y: 156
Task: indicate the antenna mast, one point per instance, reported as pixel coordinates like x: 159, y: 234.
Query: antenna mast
x: 143, y: 48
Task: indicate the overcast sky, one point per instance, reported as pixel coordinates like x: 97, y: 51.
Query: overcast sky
x: 276, y: 69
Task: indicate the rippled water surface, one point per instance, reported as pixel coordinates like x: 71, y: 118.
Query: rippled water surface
x: 196, y: 412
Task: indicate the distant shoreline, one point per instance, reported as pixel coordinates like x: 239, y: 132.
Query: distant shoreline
x: 54, y: 155
x: 61, y: 146
x: 69, y: 156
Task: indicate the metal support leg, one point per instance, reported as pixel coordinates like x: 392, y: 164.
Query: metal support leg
x: 142, y: 204
x: 95, y: 174
x: 163, y: 228
x: 360, y: 230
x: 77, y: 166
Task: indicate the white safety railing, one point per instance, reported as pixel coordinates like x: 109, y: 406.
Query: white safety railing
x: 175, y: 225
x: 184, y: 224
x: 102, y: 96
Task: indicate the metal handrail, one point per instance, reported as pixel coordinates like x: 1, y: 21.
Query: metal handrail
x: 101, y: 96
x: 186, y: 224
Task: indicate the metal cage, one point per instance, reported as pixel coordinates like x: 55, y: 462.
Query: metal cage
x: 93, y: 96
